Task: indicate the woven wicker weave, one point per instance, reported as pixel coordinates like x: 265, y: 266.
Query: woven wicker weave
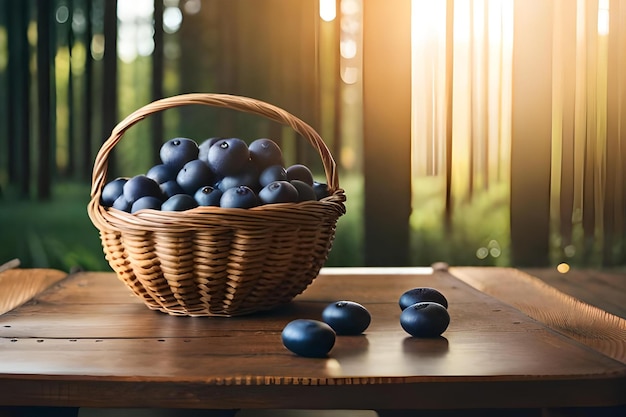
x: 212, y: 261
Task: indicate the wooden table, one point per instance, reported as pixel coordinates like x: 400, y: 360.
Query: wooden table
x: 87, y: 342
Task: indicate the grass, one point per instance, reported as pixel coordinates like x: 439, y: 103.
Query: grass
x: 478, y: 233
x: 51, y: 234
x: 59, y: 234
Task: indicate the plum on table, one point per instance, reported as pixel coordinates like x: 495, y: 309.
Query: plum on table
x: 309, y: 338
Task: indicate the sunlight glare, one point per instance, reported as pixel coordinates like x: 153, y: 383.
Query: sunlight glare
x: 328, y: 10
x: 350, y: 75
x: 427, y: 20
x: 172, y: 19
x: 348, y: 48
x: 97, y: 46
x: 79, y: 21
x: 63, y: 14
x: 193, y: 6
x: 349, y: 43
x: 482, y: 253
x: 135, y: 31
x: 603, y: 17
x: 333, y: 366
x: 129, y: 11
x: 350, y: 7
x: 4, y: 59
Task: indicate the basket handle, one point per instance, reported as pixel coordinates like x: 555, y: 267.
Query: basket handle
x: 244, y: 104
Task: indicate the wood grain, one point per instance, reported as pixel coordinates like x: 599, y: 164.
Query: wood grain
x: 605, y: 289
x: 90, y: 342
x: 576, y: 319
x: 20, y: 285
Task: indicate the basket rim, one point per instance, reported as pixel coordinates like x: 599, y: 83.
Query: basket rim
x: 229, y: 101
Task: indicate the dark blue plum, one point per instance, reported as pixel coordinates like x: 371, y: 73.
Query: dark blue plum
x: 178, y: 151
x: 239, y: 197
x: 300, y: 172
x: 179, y: 202
x: 278, y: 192
x: 171, y: 188
x: 194, y: 175
x: 147, y: 202
x: 141, y: 186
x: 425, y: 319
x: 203, y: 148
x: 122, y: 204
x: 347, y: 317
x: 162, y: 173
x: 272, y: 173
x: 305, y: 191
x: 321, y: 190
x: 265, y: 152
x: 111, y: 191
x: 248, y: 176
x: 228, y: 156
x: 208, y: 196
x: 309, y: 338
x: 421, y: 294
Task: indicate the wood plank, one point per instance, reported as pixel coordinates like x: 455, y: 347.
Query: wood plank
x: 20, y: 285
x: 88, y: 342
x: 580, y: 321
x: 603, y: 289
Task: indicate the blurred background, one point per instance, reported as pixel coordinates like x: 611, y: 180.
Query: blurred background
x: 475, y: 132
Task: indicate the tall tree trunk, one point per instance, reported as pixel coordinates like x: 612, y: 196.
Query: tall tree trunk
x: 87, y: 96
x: 18, y: 96
x: 531, y: 133
x: 568, y: 79
x: 387, y: 162
x: 614, y: 214
x: 4, y: 85
x: 71, y: 135
x: 484, y: 93
x: 45, y: 69
x: 449, y: 112
x: 590, y: 172
x: 109, y: 85
x: 619, y: 14
x: 157, y: 80
x: 472, y: 107
x: 338, y: 84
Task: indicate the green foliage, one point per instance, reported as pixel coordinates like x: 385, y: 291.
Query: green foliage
x: 477, y: 232
x: 51, y: 234
x: 348, y: 247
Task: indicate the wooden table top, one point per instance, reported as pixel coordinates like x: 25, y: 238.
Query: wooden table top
x: 88, y: 342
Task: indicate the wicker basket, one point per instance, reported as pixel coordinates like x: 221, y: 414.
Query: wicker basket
x: 212, y: 261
